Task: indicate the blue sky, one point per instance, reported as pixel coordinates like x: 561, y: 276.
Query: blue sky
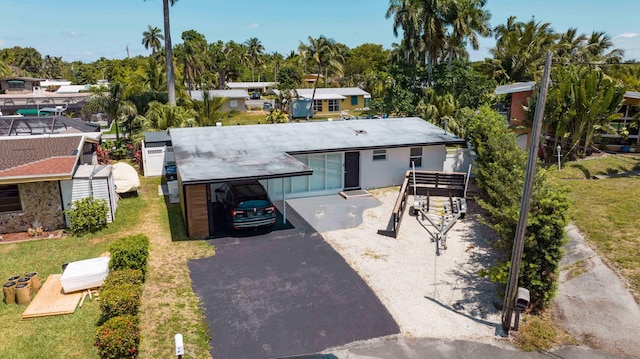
x: 88, y: 29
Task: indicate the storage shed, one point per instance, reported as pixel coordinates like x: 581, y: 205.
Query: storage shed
x: 91, y: 181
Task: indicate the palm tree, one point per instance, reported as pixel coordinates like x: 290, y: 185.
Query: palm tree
x: 405, y: 16
x: 5, y: 71
x: 192, y: 56
x: 151, y: 39
x: 596, y: 49
x: 322, y: 54
x: 161, y: 117
x: 468, y: 19
x: 171, y: 77
x: 210, y: 110
x: 111, y: 103
x: 254, y: 50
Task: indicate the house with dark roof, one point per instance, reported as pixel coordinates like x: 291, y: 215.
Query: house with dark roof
x: 300, y: 159
x: 37, y: 172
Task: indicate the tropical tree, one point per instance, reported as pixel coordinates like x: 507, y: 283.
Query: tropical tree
x: 226, y: 60
x: 468, y: 19
x: 277, y: 116
x: 161, y: 117
x: 597, y: 49
x: 254, y: 51
x: 191, y: 55
x: 111, y: 103
x: 52, y: 67
x: 405, y: 15
x: 580, y: 102
x: 520, y: 49
x: 209, y: 111
x: 5, y: 71
x: 171, y: 79
x: 151, y: 39
x: 322, y: 54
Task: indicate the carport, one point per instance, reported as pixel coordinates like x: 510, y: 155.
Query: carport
x: 199, y: 171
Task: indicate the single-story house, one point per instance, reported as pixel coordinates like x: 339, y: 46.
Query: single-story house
x: 334, y: 100
x: 300, y: 159
x: 263, y: 87
x: 235, y: 99
x: 37, y: 176
x: 309, y: 79
x: 14, y: 85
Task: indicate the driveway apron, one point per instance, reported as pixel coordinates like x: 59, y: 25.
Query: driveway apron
x: 282, y: 293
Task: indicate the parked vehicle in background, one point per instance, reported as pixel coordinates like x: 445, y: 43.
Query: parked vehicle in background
x: 255, y: 95
x: 246, y: 204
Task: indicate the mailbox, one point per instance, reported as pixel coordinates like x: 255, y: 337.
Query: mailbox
x: 522, y: 299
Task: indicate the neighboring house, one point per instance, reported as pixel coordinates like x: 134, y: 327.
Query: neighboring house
x: 334, y: 100
x: 234, y: 99
x: 37, y: 176
x: 309, y: 79
x: 300, y: 159
x: 40, y: 125
x: 157, y: 153
x: 518, y: 95
x: 18, y: 85
x: 261, y: 87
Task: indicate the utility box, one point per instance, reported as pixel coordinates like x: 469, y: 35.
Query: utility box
x: 522, y: 299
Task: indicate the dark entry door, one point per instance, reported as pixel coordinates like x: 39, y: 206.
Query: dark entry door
x: 211, y: 208
x: 352, y: 170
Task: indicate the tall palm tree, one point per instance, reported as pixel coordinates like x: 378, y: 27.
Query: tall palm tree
x: 254, y: 50
x: 468, y: 19
x: 192, y: 56
x: 322, y: 54
x: 596, y: 48
x: 113, y: 104
x: 171, y: 77
x: 151, y: 39
x: 405, y: 15
x: 5, y: 71
x: 161, y: 117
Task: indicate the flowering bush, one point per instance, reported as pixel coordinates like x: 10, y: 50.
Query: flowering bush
x: 118, y: 337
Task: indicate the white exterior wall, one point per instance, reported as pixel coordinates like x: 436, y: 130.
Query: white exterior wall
x: 155, y: 158
x: 458, y: 160
x: 391, y: 171
x: 73, y: 190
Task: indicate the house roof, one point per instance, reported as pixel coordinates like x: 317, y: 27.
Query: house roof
x: 157, y: 136
x: 330, y: 93
x: 32, y: 79
x: 39, y: 125
x: 232, y: 94
x: 515, y: 87
x: 250, y: 85
x: 39, y: 158
x: 215, y: 153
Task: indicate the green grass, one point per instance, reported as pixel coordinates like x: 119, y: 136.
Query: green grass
x: 66, y: 335
x: 607, y: 210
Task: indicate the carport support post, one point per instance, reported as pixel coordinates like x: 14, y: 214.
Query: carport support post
x: 530, y: 174
x: 284, y: 205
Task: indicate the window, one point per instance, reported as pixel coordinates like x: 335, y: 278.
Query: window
x: 334, y: 106
x: 233, y: 103
x: 354, y: 100
x: 16, y: 84
x: 317, y: 105
x: 10, y: 199
x: 379, y: 155
x: 416, y: 156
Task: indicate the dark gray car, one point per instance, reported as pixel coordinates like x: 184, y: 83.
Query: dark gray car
x: 246, y: 204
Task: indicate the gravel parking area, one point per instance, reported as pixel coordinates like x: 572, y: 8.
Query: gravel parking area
x: 429, y: 295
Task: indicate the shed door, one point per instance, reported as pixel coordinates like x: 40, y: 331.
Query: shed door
x: 351, y: 170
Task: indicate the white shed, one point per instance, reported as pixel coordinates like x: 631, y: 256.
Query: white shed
x: 91, y: 180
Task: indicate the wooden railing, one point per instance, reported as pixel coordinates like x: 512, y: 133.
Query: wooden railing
x: 451, y: 184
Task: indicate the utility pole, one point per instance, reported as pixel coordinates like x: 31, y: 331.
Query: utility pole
x: 518, y: 243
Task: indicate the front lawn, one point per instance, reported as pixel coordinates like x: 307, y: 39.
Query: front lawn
x: 169, y: 305
x: 607, y: 210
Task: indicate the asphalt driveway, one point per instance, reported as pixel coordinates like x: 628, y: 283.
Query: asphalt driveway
x: 282, y: 293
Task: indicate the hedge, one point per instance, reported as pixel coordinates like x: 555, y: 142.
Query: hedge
x: 122, y: 276
x: 131, y: 252
x: 120, y: 300
x: 499, y: 171
x: 118, y: 337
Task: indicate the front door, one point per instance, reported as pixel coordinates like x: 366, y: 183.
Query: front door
x: 211, y: 207
x: 351, y: 170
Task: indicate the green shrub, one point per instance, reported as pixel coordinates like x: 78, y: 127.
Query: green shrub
x: 123, y: 276
x: 500, y: 170
x: 118, y: 337
x: 131, y: 252
x: 120, y: 300
x: 87, y: 215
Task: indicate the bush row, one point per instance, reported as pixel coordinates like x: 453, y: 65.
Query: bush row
x: 119, y: 334
x: 500, y: 169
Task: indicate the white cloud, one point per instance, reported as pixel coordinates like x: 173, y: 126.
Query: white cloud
x: 252, y: 25
x: 627, y: 35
